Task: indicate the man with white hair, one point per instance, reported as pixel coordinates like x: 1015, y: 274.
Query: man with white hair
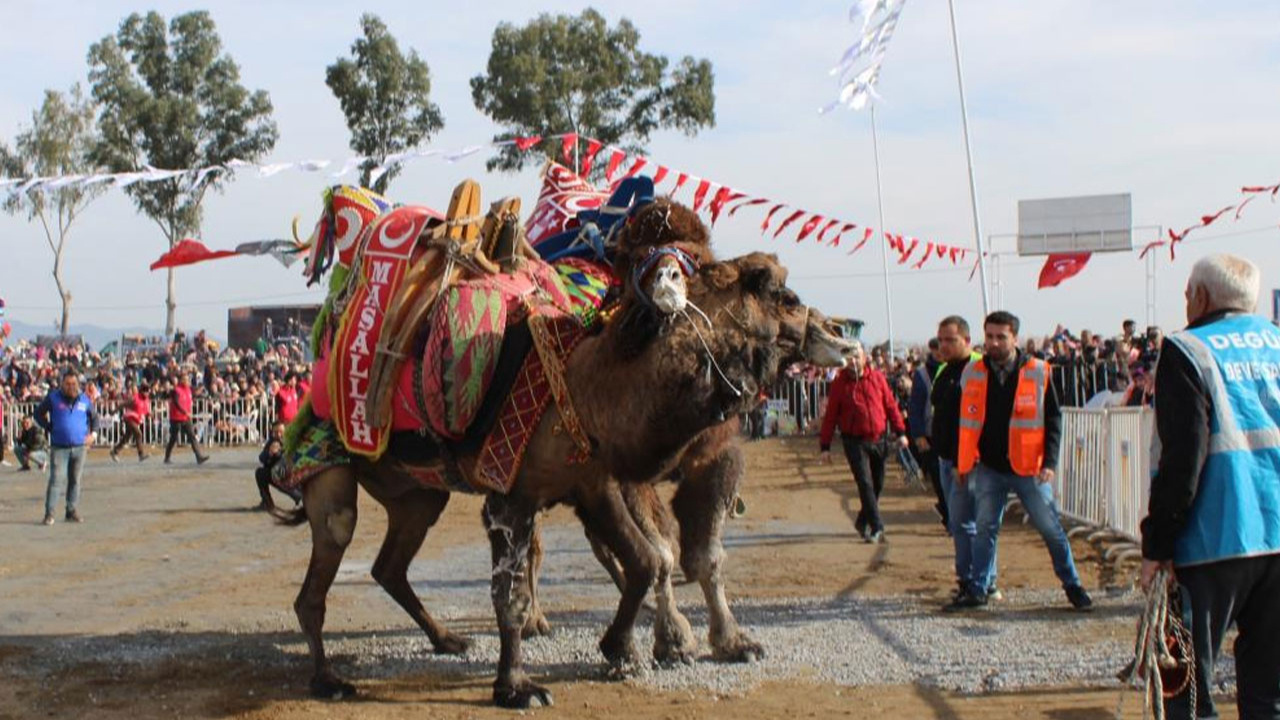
x: 1214, y: 514
x: 861, y: 404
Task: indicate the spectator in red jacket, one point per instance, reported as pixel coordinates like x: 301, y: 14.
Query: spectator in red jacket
x: 861, y: 404
x: 136, y: 406
x: 287, y: 399
x: 180, y: 420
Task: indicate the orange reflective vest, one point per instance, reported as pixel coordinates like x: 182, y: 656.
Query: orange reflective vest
x: 1026, y: 424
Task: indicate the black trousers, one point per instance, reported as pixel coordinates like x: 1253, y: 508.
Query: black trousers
x: 133, y: 432
x: 184, y: 429
x: 928, y: 462
x: 1244, y: 591
x: 866, y: 460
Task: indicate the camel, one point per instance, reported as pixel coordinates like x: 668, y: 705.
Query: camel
x: 641, y: 401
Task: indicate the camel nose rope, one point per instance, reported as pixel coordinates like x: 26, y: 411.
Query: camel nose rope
x: 1160, y: 623
x: 710, y: 357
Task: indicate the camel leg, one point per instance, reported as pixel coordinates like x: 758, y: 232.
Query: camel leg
x: 536, y: 625
x: 330, y: 502
x: 510, y: 522
x: 701, y: 504
x: 604, y: 512
x: 673, y: 638
x: 409, y: 518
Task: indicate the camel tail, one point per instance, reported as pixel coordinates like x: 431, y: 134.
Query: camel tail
x: 290, y: 518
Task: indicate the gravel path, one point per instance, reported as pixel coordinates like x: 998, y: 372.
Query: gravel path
x: 1028, y: 640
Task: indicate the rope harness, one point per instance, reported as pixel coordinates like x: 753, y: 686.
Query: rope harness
x: 1163, y: 659
x: 688, y: 266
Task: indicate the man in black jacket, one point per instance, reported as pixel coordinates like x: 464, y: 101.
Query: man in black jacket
x: 953, y: 346
x: 267, y: 459
x: 29, y: 446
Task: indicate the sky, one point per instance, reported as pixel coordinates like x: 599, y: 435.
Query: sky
x: 1174, y: 102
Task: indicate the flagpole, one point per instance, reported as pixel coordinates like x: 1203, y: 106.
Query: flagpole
x: 884, y: 244
x: 968, y: 152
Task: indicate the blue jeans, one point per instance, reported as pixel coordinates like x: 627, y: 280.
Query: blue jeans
x: 65, y: 466
x: 962, y: 521
x: 991, y: 491
x: 39, y: 457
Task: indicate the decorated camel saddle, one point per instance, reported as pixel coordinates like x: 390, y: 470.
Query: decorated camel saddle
x: 448, y: 331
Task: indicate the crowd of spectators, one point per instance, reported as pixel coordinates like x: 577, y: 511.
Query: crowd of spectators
x: 1089, y: 370
x: 220, y: 379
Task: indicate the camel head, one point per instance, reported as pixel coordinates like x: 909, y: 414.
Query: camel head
x: 824, y: 344
x: 658, y: 250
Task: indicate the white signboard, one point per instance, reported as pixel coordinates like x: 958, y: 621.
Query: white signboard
x: 1089, y: 223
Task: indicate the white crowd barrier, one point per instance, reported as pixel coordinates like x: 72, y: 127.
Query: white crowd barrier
x: 1104, y: 468
x: 218, y: 423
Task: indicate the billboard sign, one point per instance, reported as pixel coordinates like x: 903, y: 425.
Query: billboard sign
x: 1088, y: 223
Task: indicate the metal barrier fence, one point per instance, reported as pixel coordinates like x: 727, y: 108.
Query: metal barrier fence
x: 1104, y: 469
x: 218, y: 423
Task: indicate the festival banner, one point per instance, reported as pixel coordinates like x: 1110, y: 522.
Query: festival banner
x: 389, y: 244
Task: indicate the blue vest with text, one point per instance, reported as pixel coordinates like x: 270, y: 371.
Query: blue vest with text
x: 1236, y: 511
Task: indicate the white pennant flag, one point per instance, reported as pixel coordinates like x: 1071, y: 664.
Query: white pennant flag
x: 351, y: 164
x: 859, y: 66
x: 269, y: 170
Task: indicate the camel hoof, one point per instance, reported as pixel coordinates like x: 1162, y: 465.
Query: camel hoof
x: 328, y: 687
x: 522, y: 697
x: 536, y: 627
x: 674, y: 644
x: 451, y: 644
x: 741, y: 649
x: 624, y: 661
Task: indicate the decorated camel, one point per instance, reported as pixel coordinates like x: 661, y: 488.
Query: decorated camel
x: 628, y: 397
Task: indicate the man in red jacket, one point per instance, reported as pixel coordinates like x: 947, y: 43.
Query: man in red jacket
x: 860, y: 403
x: 135, y: 406
x: 180, y: 420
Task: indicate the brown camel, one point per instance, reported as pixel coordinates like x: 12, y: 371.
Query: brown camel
x: 641, y: 405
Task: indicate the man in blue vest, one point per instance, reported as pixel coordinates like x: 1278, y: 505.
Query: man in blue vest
x: 67, y: 415
x: 1214, y: 513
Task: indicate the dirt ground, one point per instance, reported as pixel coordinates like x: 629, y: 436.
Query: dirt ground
x: 174, y: 599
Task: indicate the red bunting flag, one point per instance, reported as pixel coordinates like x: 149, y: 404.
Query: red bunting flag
x: 567, y: 143
x: 865, y: 237
x: 747, y: 203
x: 764, y: 226
x: 723, y: 197
x: 658, y: 176
x: 835, y: 241
x: 1208, y: 219
x: 636, y: 167
x: 809, y: 226
x: 940, y: 249
x: 700, y: 195
x: 823, y: 232
x: 956, y: 253
x: 905, y: 249
x: 589, y: 157
x: 680, y: 181
x: 614, y: 161
x: 790, y: 219
x: 188, y: 252
x: 524, y: 143
x: 928, y: 251
x: 1060, y: 266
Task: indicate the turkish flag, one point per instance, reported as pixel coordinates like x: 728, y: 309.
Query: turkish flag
x: 1061, y: 266
x: 187, y: 252
x: 564, y: 195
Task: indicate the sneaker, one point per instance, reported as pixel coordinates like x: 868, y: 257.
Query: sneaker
x: 1079, y: 599
x: 994, y: 594
x: 875, y: 538
x: 143, y: 457
x: 202, y: 459
x: 25, y: 468
x: 965, y: 601
x: 167, y: 461
x: 74, y: 517
x: 114, y: 458
x: 48, y: 520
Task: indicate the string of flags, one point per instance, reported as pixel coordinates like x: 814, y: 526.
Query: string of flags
x: 712, y: 197
x: 1248, y: 193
